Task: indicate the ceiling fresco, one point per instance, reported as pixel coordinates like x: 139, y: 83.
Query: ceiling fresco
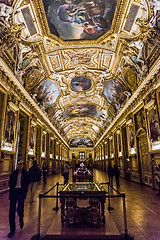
x: 81, y: 83
x: 79, y: 19
x: 46, y: 94
x: 80, y: 60
x: 115, y: 93
x: 77, y: 142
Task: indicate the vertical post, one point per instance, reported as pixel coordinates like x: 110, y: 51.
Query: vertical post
x: 109, y: 203
x: 124, y: 215
x: 39, y: 216
x: 56, y: 208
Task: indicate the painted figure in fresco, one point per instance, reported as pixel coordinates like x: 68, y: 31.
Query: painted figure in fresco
x: 154, y: 128
x: 31, y: 138
x: 9, y: 133
x: 81, y: 83
x: 80, y: 19
x: 131, y: 139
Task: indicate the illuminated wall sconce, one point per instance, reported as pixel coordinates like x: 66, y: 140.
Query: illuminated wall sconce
x: 30, y: 151
x: 106, y: 156
x: 51, y: 155
x: 112, y: 155
x: 43, y: 154
x: 7, y: 146
x: 120, y: 154
x: 156, y: 145
x: 133, y: 150
x: 56, y: 157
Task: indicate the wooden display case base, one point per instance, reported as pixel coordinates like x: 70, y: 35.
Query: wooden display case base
x: 86, y: 232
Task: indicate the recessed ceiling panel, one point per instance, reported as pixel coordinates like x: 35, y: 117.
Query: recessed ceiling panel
x: 79, y: 19
x: 80, y: 110
x: 81, y: 83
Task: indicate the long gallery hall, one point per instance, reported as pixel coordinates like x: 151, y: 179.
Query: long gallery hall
x: 79, y: 119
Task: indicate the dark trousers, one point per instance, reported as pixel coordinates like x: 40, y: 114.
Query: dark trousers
x: 16, y: 199
x: 117, y: 181
x: 111, y: 180
x: 44, y: 177
x: 66, y: 177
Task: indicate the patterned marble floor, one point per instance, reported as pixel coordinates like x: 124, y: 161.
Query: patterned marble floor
x: 143, y: 210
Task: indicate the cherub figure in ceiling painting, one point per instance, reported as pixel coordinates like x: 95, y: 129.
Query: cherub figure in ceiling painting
x: 47, y: 93
x: 79, y: 19
x: 115, y: 93
x: 81, y: 83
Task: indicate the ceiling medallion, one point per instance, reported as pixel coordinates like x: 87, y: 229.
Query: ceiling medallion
x: 81, y: 83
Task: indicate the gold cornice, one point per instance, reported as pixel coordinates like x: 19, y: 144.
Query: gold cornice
x: 27, y: 98
x: 135, y: 97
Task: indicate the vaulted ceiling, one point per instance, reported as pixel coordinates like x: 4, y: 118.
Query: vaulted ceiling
x: 81, y: 60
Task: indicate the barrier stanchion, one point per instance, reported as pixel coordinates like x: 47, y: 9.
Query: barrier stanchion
x: 38, y: 236
x: 109, y: 201
x: 56, y: 208
x: 125, y: 235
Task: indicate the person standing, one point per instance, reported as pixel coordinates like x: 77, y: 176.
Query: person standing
x: 110, y: 174
x: 116, y: 174
x: 35, y: 175
x: 18, y: 184
x: 45, y: 171
x: 66, y: 172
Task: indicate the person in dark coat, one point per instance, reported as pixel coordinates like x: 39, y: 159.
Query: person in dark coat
x: 110, y: 174
x: 35, y: 175
x: 18, y: 184
x: 116, y: 174
x: 45, y: 171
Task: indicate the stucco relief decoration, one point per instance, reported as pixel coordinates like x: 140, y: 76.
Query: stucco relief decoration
x: 32, y: 77
x: 130, y: 77
x: 55, y: 63
x: 46, y: 94
x: 106, y: 61
x: 79, y: 19
x: 80, y: 57
x: 115, y: 93
x: 81, y: 83
x: 84, y: 141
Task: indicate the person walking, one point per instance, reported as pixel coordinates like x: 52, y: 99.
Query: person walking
x: 116, y: 174
x: 66, y: 172
x: 18, y: 184
x: 110, y: 174
x: 35, y: 175
x: 44, y: 171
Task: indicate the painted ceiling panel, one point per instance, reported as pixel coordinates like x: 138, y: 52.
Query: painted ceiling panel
x: 85, y: 61
x: 79, y: 19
